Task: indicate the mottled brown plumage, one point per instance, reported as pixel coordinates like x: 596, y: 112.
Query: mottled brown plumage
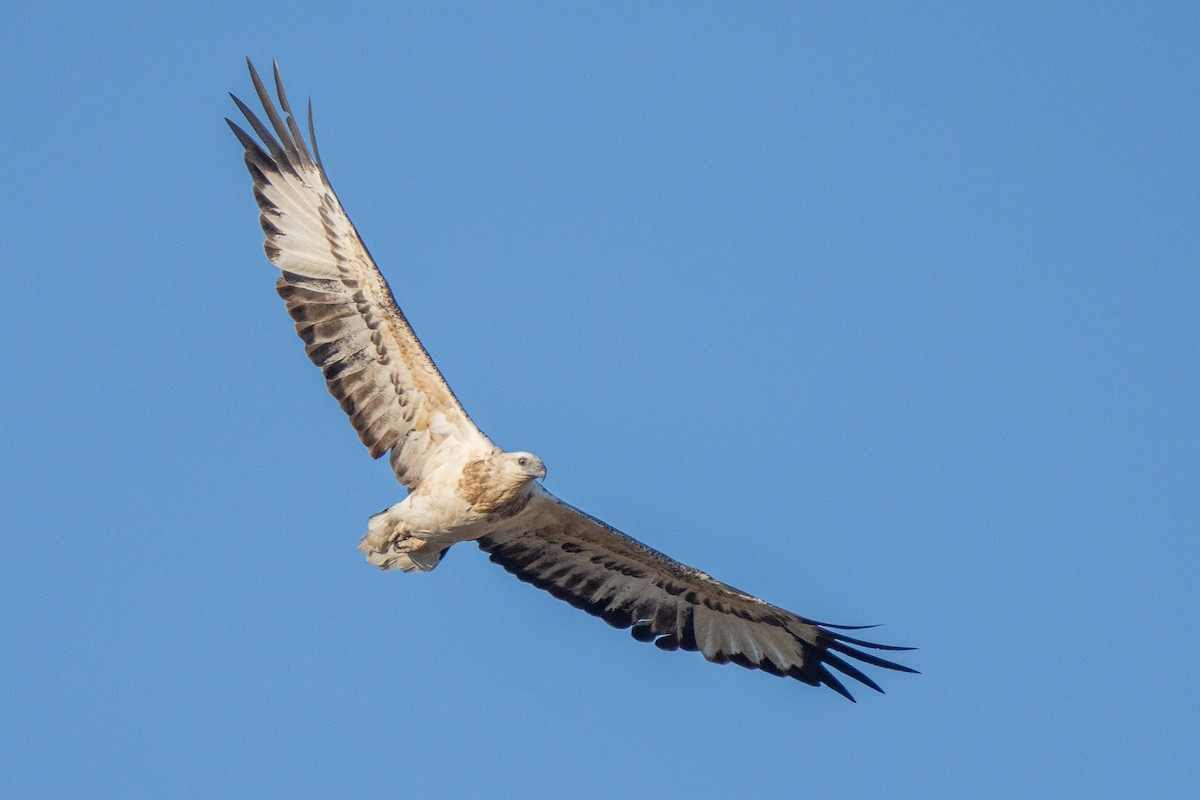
x: 490, y: 490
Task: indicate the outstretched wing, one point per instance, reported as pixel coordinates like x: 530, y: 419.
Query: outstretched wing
x: 344, y: 311
x: 595, y: 567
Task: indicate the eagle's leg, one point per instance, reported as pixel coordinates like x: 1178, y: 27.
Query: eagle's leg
x: 387, y: 530
x: 391, y: 543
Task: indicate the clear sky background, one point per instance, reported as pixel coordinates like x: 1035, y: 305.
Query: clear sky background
x: 887, y: 314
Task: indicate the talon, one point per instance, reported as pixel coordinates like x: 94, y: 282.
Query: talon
x: 407, y: 545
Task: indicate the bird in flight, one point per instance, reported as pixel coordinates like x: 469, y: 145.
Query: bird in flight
x: 461, y: 486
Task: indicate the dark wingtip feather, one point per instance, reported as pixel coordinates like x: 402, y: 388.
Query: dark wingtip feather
x: 297, y: 139
x: 864, y: 643
x: 846, y: 668
x: 867, y: 658
x: 242, y: 136
x: 252, y: 147
x: 293, y: 159
x: 312, y: 137
x: 828, y: 679
x: 278, y: 155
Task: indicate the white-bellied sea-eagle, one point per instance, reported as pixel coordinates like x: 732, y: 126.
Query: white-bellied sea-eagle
x: 461, y: 487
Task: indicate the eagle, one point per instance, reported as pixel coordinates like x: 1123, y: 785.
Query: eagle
x: 461, y: 486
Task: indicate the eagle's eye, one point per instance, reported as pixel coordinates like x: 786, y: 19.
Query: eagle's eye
x: 522, y: 461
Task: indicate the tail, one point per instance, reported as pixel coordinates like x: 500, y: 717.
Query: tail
x: 419, y: 560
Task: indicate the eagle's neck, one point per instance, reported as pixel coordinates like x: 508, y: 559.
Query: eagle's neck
x: 490, y: 489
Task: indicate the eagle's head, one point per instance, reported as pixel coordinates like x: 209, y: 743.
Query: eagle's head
x: 525, y: 466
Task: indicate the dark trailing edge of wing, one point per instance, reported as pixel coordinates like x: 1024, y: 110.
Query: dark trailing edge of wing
x: 817, y: 658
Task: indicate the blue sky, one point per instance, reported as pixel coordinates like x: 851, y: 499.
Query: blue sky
x: 887, y: 315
